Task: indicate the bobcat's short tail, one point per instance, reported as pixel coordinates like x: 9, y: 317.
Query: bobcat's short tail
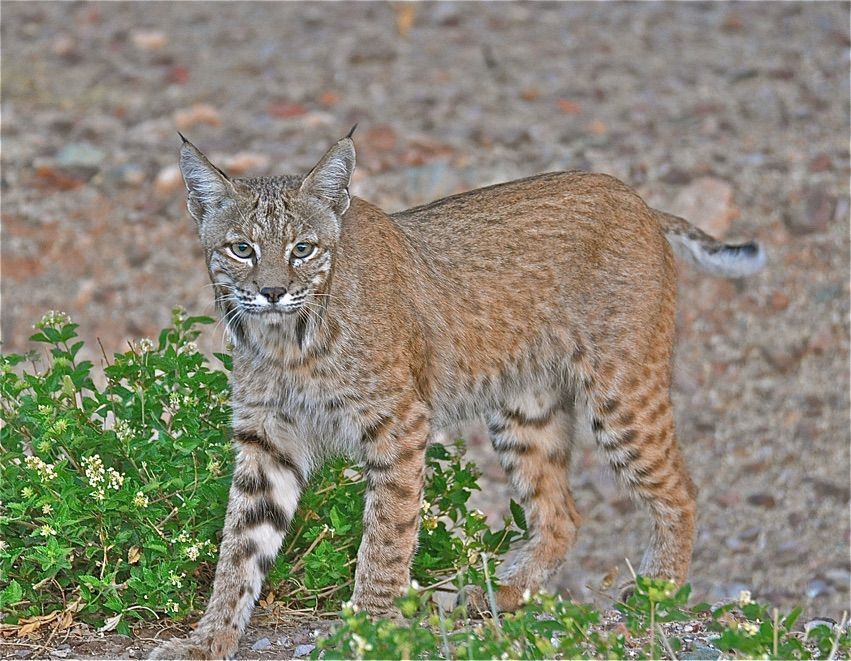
x: 696, y: 246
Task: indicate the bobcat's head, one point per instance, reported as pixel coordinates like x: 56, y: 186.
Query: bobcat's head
x: 270, y: 241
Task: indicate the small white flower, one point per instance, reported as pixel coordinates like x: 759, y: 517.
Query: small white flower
x: 53, y: 319
x: 3, y: 545
x: 415, y: 585
x: 527, y: 595
x: 94, y: 470
x: 46, y: 531
x: 47, y: 508
x: 45, y: 471
x: 749, y: 628
x: 140, y: 500
x: 146, y: 345
x: 116, y: 479
x: 744, y: 598
x: 170, y: 606
x: 122, y: 430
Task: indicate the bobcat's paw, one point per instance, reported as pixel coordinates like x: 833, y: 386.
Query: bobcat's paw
x: 508, y: 598
x: 218, y: 646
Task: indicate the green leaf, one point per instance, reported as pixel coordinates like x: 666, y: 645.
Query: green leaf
x: 11, y: 595
x: 518, y: 515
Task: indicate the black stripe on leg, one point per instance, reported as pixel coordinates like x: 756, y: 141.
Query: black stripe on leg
x: 521, y: 419
x: 245, y: 551
x: 265, y: 562
x: 280, y: 457
x: 251, y: 483
x: 265, y: 511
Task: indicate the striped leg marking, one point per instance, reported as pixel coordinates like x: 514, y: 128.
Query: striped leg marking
x: 264, y: 494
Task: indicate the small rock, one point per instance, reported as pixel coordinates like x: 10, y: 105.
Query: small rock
x: 286, y: 110
x: 782, y: 357
x: 200, y: 113
x: 445, y: 599
x: 132, y: 174
x: 168, y: 180
x: 826, y: 489
x: 303, y: 650
x: 816, y: 588
x: 821, y: 163
x: 243, y: 162
x: 707, y: 202
x: 778, y: 301
x: 828, y: 622
x: 700, y: 652
x: 23, y: 654
x: 676, y: 176
x: 750, y: 534
x: 64, y: 46
x: 815, y: 216
x: 80, y: 155
x: 262, y: 644
x: 820, y: 341
x: 149, y: 39
x: 765, y: 500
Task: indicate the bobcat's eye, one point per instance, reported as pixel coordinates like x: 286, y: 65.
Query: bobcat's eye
x: 302, y: 250
x: 242, y: 250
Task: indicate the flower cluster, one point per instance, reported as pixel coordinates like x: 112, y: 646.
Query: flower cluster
x: 194, y: 551
x: 100, y: 477
x: 146, y: 345
x: 53, y: 319
x: 140, y: 500
x: 45, y: 471
x: 122, y: 430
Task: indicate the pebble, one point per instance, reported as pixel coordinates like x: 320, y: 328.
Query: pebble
x: 262, y: 644
x: 816, y: 588
x: 303, y: 650
x: 707, y: 202
x: 149, y: 39
x: 765, y: 500
x: 700, y: 652
x: 778, y: 301
x: 132, y: 174
x: 821, y: 163
x: 243, y: 162
x: 168, y: 180
x: 782, y: 357
x: 200, y: 113
x: 816, y: 214
x: 82, y: 155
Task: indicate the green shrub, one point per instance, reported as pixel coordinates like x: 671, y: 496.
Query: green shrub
x: 112, y: 497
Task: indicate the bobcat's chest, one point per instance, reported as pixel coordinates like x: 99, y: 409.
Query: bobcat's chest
x: 319, y: 404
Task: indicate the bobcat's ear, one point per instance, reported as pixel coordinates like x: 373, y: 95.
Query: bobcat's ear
x: 207, y: 187
x: 329, y: 180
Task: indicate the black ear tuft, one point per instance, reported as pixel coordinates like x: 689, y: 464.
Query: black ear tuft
x: 352, y: 131
x: 183, y: 138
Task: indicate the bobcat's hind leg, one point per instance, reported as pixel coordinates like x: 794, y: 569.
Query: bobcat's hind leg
x: 532, y: 439
x: 633, y: 423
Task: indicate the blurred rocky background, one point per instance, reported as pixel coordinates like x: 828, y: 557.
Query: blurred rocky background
x: 733, y: 115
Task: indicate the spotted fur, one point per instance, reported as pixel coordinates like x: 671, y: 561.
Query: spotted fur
x: 524, y: 303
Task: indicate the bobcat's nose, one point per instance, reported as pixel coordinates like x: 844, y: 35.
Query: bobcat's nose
x: 272, y: 294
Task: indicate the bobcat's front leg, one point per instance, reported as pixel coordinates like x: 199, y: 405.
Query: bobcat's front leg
x: 267, y: 483
x: 395, y: 467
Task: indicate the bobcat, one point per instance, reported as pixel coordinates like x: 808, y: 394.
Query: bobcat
x: 364, y: 333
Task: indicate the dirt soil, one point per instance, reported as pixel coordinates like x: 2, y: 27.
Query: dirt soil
x: 735, y: 115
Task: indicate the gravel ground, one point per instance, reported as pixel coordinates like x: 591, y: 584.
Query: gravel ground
x: 735, y: 115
